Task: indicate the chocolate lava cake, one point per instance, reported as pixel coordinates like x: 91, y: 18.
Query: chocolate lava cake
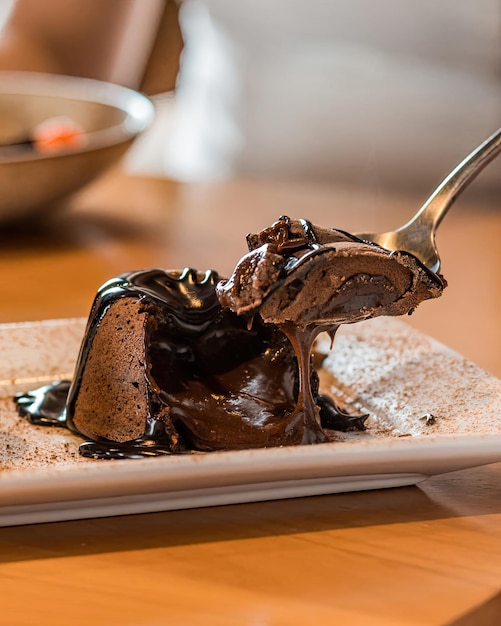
x: 179, y: 361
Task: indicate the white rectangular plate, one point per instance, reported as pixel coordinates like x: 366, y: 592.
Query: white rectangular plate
x: 382, y: 367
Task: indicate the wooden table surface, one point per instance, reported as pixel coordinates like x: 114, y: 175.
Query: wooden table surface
x: 416, y: 555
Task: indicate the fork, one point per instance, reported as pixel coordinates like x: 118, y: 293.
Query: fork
x: 418, y: 235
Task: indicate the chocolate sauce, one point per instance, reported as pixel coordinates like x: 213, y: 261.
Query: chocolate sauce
x: 227, y: 363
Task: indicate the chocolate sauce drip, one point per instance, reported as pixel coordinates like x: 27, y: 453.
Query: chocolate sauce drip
x: 44, y: 406
x: 154, y: 442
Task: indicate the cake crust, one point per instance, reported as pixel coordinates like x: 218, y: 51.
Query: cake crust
x: 112, y: 401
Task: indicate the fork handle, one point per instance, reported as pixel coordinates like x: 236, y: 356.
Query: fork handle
x: 435, y: 208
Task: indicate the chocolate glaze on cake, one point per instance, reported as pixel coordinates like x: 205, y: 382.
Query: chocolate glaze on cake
x: 181, y: 361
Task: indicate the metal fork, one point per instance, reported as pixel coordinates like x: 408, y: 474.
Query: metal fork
x: 418, y: 235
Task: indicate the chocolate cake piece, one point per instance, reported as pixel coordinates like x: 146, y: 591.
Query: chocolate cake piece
x: 306, y: 280
x: 304, y: 274
x: 163, y: 369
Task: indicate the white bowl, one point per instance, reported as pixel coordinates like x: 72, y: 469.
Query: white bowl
x: 111, y: 117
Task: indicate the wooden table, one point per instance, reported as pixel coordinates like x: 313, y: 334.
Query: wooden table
x: 418, y: 555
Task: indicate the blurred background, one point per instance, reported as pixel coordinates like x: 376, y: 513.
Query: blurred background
x: 387, y: 95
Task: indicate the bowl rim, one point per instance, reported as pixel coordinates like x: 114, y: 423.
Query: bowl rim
x: 138, y: 108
